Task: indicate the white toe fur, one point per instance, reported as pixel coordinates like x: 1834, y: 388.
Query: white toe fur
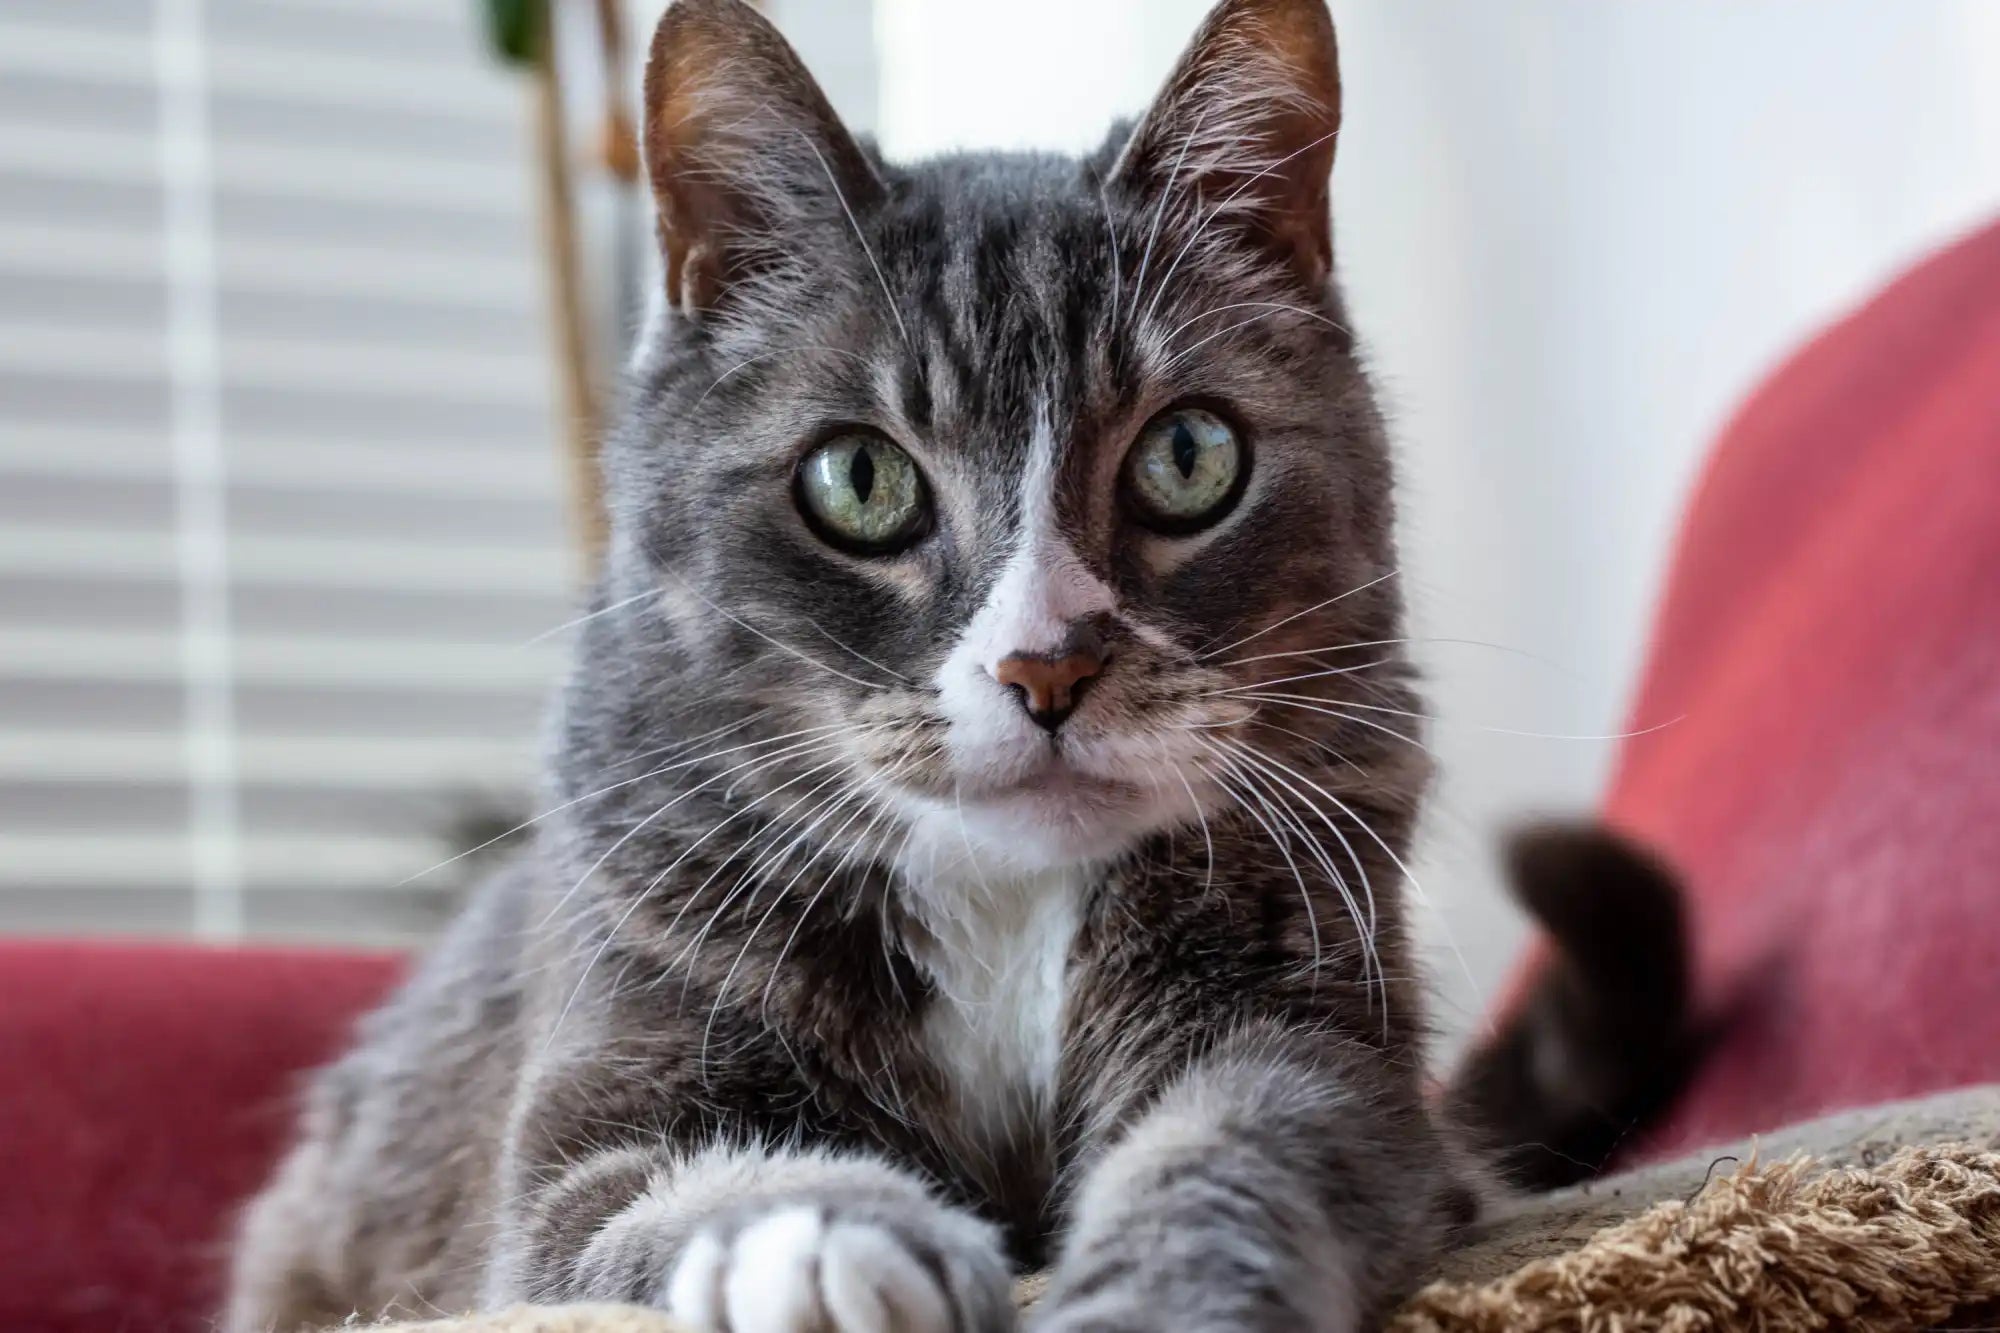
x: 694, y: 1292
x: 794, y: 1271
x: 773, y: 1281
x: 870, y: 1281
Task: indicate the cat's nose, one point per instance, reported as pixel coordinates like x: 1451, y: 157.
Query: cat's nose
x: 1050, y: 684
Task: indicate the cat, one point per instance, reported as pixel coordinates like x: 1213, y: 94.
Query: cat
x: 979, y: 798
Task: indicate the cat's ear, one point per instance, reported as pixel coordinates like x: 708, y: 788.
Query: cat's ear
x: 1243, y: 132
x: 746, y: 157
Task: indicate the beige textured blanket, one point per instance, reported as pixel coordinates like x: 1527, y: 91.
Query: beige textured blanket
x: 1882, y: 1221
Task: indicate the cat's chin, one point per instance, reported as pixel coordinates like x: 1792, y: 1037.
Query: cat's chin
x: 1055, y: 817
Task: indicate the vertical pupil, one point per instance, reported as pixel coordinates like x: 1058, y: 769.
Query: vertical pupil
x: 861, y: 474
x: 1186, y: 448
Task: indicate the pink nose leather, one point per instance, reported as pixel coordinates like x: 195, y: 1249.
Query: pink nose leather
x: 1048, y: 685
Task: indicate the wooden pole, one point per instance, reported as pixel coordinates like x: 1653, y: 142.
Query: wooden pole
x: 578, y: 402
x: 620, y: 147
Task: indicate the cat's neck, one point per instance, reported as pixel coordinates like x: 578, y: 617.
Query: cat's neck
x: 996, y: 946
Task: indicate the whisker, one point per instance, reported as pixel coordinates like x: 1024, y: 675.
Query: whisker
x: 619, y: 605
x: 1117, y: 257
x: 965, y: 838
x: 840, y: 867
x: 1279, y: 841
x: 1227, y: 724
x: 896, y: 870
x: 1172, y: 361
x: 846, y: 794
x: 855, y: 652
x: 1251, y: 755
x: 1509, y: 731
x: 721, y: 824
x: 1371, y: 958
x: 1268, y: 309
x: 1216, y: 212
x: 1317, y: 743
x: 1160, y: 208
x: 1207, y: 842
x: 645, y: 895
x: 1381, y: 643
x: 777, y: 830
x: 779, y: 644
x: 688, y: 743
x: 762, y: 760
x: 1416, y: 887
x: 1402, y: 866
x: 1314, y: 652
x: 1310, y: 675
x: 789, y: 350
x: 894, y: 313
x: 639, y: 899
x: 602, y: 791
x: 1313, y: 703
x: 1317, y: 606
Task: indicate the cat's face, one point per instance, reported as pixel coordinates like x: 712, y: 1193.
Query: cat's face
x: 1013, y: 472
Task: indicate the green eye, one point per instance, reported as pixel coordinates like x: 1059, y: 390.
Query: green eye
x: 1184, y: 469
x: 864, y: 494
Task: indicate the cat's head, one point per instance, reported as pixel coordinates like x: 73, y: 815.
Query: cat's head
x: 1000, y: 480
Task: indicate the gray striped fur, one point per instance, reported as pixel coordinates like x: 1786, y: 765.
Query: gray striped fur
x: 692, y: 1049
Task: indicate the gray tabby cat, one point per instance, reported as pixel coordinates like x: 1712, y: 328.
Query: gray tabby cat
x: 980, y: 793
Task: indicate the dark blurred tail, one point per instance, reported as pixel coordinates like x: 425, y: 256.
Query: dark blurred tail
x: 1602, y: 1040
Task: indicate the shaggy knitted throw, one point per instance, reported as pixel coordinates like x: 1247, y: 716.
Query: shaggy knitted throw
x: 1902, y: 1246
x: 1908, y: 1244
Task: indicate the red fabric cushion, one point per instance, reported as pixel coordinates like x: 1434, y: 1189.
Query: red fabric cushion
x: 145, y: 1094
x: 1830, y: 641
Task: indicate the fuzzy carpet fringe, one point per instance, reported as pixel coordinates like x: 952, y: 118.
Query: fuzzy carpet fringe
x: 1904, y: 1245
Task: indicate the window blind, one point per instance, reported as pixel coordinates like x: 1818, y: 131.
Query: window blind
x: 280, y: 513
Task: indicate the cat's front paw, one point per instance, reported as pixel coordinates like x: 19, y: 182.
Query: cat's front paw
x: 818, y: 1267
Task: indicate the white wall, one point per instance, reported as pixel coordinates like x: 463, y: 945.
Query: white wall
x: 1574, y: 233
x: 1027, y: 74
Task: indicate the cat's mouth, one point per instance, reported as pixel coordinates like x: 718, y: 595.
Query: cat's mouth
x: 1029, y: 808
x: 1055, y: 776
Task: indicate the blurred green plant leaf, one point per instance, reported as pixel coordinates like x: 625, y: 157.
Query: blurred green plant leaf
x: 515, y: 28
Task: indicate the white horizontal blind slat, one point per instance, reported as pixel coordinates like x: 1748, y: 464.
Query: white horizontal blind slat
x: 303, y: 562
x: 445, y: 372
x: 116, y: 655
x: 56, y: 450
x: 361, y: 763
x: 384, y: 80
x: 53, y: 861
x: 88, y: 250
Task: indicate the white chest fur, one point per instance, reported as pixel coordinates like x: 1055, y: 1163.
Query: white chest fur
x: 1000, y: 963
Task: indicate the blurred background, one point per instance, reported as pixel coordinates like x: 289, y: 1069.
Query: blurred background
x: 293, y: 385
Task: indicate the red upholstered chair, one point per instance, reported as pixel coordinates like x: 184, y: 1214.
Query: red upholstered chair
x: 1830, y: 640
x: 144, y: 1090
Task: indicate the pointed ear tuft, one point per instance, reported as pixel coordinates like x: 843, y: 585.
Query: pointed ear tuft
x: 1244, y: 129
x: 744, y: 153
